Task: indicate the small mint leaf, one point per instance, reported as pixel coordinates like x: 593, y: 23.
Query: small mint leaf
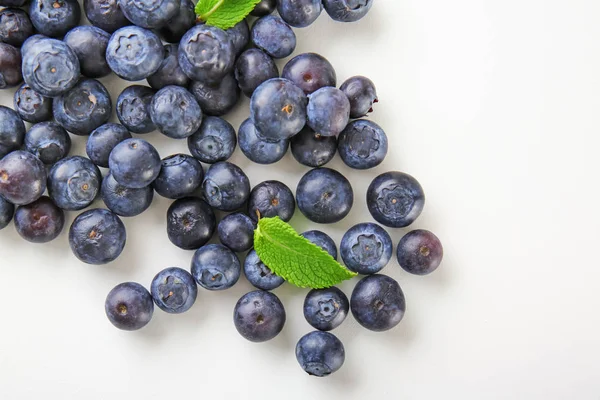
x: 294, y: 258
x: 224, y: 14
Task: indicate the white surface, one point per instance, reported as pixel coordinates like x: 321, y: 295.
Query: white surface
x: 493, y: 106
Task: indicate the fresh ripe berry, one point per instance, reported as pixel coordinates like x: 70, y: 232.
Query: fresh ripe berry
x: 419, y: 252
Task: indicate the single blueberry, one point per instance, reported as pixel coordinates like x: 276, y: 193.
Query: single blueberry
x: 395, y: 199
x: 259, y: 316
x: 366, y: 248
x: 322, y: 240
x: 129, y: 306
x: 133, y: 108
x: 97, y: 236
x: 102, y: 140
x: 54, y: 18
x: 252, y: 68
x: 74, y: 182
x: 320, y: 353
x: 10, y: 66
x: 324, y: 196
x: 259, y: 275
x: 264, y: 7
x: 240, y: 36
x: 215, y: 267
x: 206, y: 54
x: 174, y: 290
x: 310, y: 72
x: 22, y: 177
x: 48, y: 141
x: 377, y: 303
x: 326, y: 309
x: 214, y: 141
x: 180, y: 175
x: 216, y: 99
x: 328, y: 111
x: 12, y: 131
x: 39, y: 222
x: 15, y: 26
x: 236, y: 231
x: 124, y: 201
x: 89, y: 44
x: 299, y: 13
x: 175, y: 112
x: 361, y: 94
x: 420, y: 252
x: 31, y: 41
x: 347, y: 10
x: 190, y: 223
x: 149, y: 14
x: 169, y: 73
x: 271, y: 199
x: 134, y: 53
x: 226, y: 187
x: 272, y: 35
x: 362, y: 144
x: 7, y: 211
x: 313, y: 149
x: 105, y: 14
x: 32, y: 106
x: 134, y: 163
x: 256, y: 148
x: 183, y: 21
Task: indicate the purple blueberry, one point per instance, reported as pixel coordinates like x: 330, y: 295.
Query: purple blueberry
x: 310, y: 72
x: 236, y: 231
x: 264, y: 7
x: 240, y: 36
x: 272, y: 35
x: 324, y: 196
x: 258, y: 149
x: 133, y: 108
x: 174, y: 290
x: 419, y: 252
x: 10, y: 66
x: 48, y: 141
x: 377, y: 303
x: 362, y: 144
x: 206, y: 54
x: 259, y: 275
x: 299, y: 13
x: 180, y: 175
x: 175, y: 112
x: 219, y: 98
x: 22, y: 177
x: 102, y: 140
x: 183, y: 21
x: 326, y: 309
x: 313, y: 149
x: 226, y: 187
x: 97, y: 236
x: 169, y: 72
x: 105, y: 14
x: 271, y: 199
x: 190, y: 223
x: 320, y: 353
x: 74, y: 182
x: 361, y: 94
x: 215, y: 267
x: 54, y: 18
x: 89, y: 44
x: 32, y: 106
x: 129, y: 306
x: 347, y: 10
x: 7, y: 211
x: 366, y: 248
x: 214, y: 141
x: 134, y: 53
x: 15, y: 26
x: 149, y: 14
x: 134, y: 163
x: 39, y: 222
x: 12, y: 131
x: 252, y: 68
x: 259, y: 316
x: 328, y: 111
x: 124, y: 201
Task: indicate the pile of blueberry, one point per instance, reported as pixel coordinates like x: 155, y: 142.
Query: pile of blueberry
x: 194, y: 79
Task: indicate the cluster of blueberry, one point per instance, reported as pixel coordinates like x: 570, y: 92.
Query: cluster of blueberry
x: 195, y: 79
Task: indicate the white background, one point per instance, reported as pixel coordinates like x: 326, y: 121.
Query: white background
x: 494, y: 107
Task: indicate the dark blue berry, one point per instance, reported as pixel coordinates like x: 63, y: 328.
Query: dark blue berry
x: 175, y: 112
x: 361, y: 94
x: 310, y: 72
x: 32, y: 106
x: 15, y: 26
x: 89, y: 44
x: 124, y: 201
x: 215, y: 267
x: 22, y: 177
x: 236, y: 231
x: 183, y: 21
x: 180, y: 175
x: 7, y: 211
x: 259, y: 316
x: 326, y: 309
x: 102, y: 140
x: 190, y: 223
x: 347, y: 10
x: 328, y: 111
x: 320, y: 353
x: 299, y: 13
x: 322, y: 240
x: 97, y: 236
x: 134, y: 53
x: 39, y: 222
x: 313, y: 149
x: 258, y: 149
x: 377, y: 303
x: 149, y: 14
x: 206, y: 54
x: 362, y: 144
x: 274, y: 36
x: 366, y: 248
x: 226, y: 187
x: 420, y: 252
x: 74, y: 182
x: 10, y: 66
x: 218, y: 98
x: 133, y: 108
x: 259, y: 275
x: 105, y: 14
x: 48, y: 141
x: 324, y: 196
x: 252, y: 68
x: 174, y: 290
x: 12, y: 131
x: 264, y: 7
x: 129, y: 306
x: 271, y: 199
x: 240, y: 36
x: 134, y: 163
x: 169, y: 72
x: 54, y: 18
x: 214, y: 141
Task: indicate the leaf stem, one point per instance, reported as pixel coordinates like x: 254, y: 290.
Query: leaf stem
x: 207, y: 14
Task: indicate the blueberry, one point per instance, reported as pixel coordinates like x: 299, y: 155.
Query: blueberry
x: 134, y: 163
x: 366, y: 248
x: 206, y: 54
x: 74, y: 182
x: 363, y: 144
x: 299, y: 13
x: 215, y: 267
x: 322, y: 240
x: 83, y: 108
x: 7, y: 211
x: 326, y: 309
x: 175, y: 112
x: 259, y: 275
x: 129, y: 306
x: 216, y: 99
x: 124, y: 201
x: 259, y: 316
x: 324, y: 196
x: 256, y: 148
x: 12, y: 131
x: 39, y: 222
x: 190, y: 223
x: 102, y: 140
x: 15, y: 26
x: 278, y: 109
x: 149, y: 14
x: 22, y: 177
x: 274, y: 36
x: 252, y: 68
x: 420, y: 252
x: 97, y: 236
x: 133, y: 108
x: 264, y: 7
x: 31, y: 41
x: 347, y: 10
x: 89, y: 44
x: 10, y: 66
x: 170, y: 72
x: 105, y: 14
x: 180, y: 175
x: 50, y: 67
x: 32, y: 106
x: 226, y: 187
x: 310, y: 72
x: 134, y: 53
x: 271, y: 199
x: 395, y: 199
x: 236, y: 231
x: 214, y: 141
x: 54, y: 17
x: 48, y: 141
x: 240, y: 36
x: 320, y: 353
x: 313, y: 149
x: 174, y: 290
x: 377, y: 303
x: 328, y: 111
x: 361, y: 94
x: 183, y: 21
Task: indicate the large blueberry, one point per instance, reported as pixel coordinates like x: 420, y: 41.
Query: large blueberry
x: 218, y: 98
x: 420, y: 252
x: 174, y: 290
x: 124, y: 201
x: 278, y: 109
x: 322, y: 240
x: 206, y: 54
x: 32, y: 106
x: 48, y: 141
x: 150, y: 14
x: 377, y: 303
x: 362, y: 144
x: 169, y: 73
x: 236, y: 231
x: 328, y: 111
x: 395, y: 199
x: 271, y: 199
x: 274, y: 36
x: 12, y: 131
x: 183, y: 21
x: 347, y: 10
x: 10, y: 66
x: 310, y: 72
x: 252, y: 68
x: 313, y: 149
x: 54, y: 17
x: 361, y: 94
x: 97, y: 236
x: 259, y: 316
x: 105, y: 14
x: 264, y: 7
x: 15, y: 26
x: 74, y: 182
x: 134, y: 163
x: 259, y: 275
x: 129, y: 306
x: 299, y: 13
x: 175, y: 112
x: 258, y: 149
x: 7, y: 211
x: 134, y: 53
x: 226, y: 187
x: 180, y: 175
x: 39, y: 222
x: 89, y: 43
x: 320, y: 353
x: 83, y: 108
x: 324, y: 196
x: 22, y: 177
x: 214, y: 141
x: 326, y: 309
x: 215, y: 267
x: 240, y: 36
x: 102, y: 140
x: 190, y: 223
x: 366, y: 248
x: 133, y: 108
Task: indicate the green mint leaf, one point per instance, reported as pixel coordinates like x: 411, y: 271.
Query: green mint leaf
x: 224, y: 14
x: 294, y: 258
